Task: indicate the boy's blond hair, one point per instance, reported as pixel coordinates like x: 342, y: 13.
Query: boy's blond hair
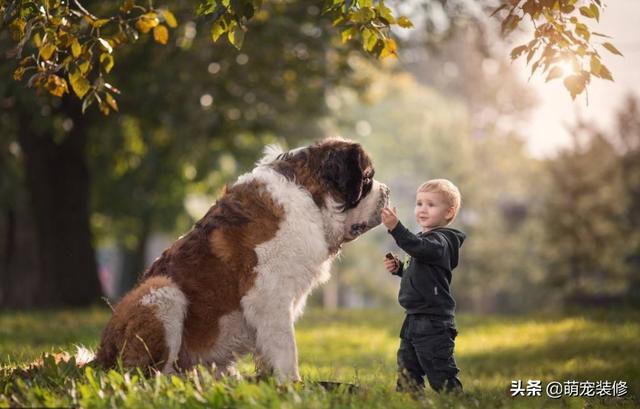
x: 450, y: 192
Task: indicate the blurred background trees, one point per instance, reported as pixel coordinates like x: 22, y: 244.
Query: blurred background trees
x: 87, y: 201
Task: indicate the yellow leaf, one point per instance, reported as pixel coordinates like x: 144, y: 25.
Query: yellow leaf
x: 18, y: 73
x: 556, y: 72
x: 64, y: 39
x: 611, y: 48
x: 596, y: 65
x: 47, y: 50
x: 76, y: 48
x: 216, y: 31
x: 100, y: 23
x: 575, y: 84
x: 84, y: 66
x: 170, y: 18
x: 385, y: 13
x: 127, y: 5
x: 79, y: 84
x: 404, y: 22
x: 56, y: 85
x: 161, y: 34
x: 517, y: 51
x: 17, y: 29
x: 112, y: 102
x: 104, y: 108
x: 107, y: 62
x: 105, y: 45
x: 390, y: 49
x: 147, y: 21
x: 37, y: 40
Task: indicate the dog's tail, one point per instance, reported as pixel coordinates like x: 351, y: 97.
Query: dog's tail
x: 82, y: 357
x: 271, y: 153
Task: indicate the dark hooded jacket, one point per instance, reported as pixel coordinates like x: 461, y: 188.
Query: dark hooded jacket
x: 426, y: 277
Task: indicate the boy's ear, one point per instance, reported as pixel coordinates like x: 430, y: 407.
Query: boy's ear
x: 450, y: 213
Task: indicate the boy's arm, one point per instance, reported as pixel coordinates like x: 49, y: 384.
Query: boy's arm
x: 427, y: 248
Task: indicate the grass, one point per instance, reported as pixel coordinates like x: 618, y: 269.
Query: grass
x: 348, y: 346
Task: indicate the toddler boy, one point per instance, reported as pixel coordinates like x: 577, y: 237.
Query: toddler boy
x: 429, y: 331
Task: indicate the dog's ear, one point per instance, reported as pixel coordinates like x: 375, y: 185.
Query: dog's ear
x: 342, y: 169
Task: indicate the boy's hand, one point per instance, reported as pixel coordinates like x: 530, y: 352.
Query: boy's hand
x: 389, y: 218
x: 391, y: 263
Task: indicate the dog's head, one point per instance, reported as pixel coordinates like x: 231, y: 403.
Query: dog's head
x: 338, y: 174
x: 348, y: 173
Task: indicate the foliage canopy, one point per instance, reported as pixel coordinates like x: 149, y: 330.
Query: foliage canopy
x: 64, y: 47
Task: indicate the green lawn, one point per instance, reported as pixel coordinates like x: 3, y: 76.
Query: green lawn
x: 349, y: 346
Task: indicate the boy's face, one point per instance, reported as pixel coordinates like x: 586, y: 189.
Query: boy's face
x: 432, y: 210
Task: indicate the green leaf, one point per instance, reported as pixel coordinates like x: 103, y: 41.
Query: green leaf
x: 347, y: 34
x: 612, y: 48
x: 216, y: 31
x: 236, y: 37
x: 362, y: 16
x: 384, y: 12
x: 369, y: 39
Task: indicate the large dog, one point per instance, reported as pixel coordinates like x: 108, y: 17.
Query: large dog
x: 238, y: 280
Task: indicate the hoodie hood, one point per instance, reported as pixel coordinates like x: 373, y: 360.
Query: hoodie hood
x: 455, y: 238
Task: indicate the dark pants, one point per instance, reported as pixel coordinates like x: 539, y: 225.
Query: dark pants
x: 426, y: 348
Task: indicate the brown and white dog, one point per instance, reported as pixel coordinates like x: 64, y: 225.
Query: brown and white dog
x: 238, y: 280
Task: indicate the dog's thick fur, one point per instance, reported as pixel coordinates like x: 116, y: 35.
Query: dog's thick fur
x: 238, y: 280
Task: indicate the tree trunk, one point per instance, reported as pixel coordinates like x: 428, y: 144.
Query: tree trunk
x: 133, y: 261
x: 19, y: 271
x: 57, y: 182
